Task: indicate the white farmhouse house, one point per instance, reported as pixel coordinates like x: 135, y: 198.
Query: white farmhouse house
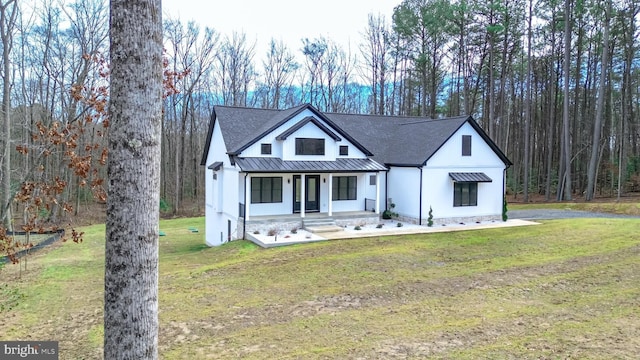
x: 285, y: 169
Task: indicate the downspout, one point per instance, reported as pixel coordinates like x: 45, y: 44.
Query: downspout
x: 504, y: 192
x: 244, y: 216
x: 420, y: 210
x: 386, y: 190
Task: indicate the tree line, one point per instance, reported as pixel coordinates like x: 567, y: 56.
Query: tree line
x: 554, y: 83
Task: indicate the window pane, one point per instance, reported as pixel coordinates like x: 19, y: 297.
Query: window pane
x: 457, y: 190
x: 473, y: 194
x: 465, y: 195
x: 352, y: 194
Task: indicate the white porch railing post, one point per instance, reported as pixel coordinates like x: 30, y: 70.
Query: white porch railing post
x: 330, y: 192
x: 378, y: 193
x: 247, y: 196
x: 303, y: 195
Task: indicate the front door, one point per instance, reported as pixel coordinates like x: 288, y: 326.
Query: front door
x: 312, y: 193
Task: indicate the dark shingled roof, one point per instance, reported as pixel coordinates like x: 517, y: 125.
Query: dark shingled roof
x: 263, y: 164
x: 391, y: 140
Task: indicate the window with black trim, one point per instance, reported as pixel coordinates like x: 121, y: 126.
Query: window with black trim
x: 465, y: 194
x: 372, y: 179
x: 345, y: 188
x: 309, y: 146
x: 265, y: 149
x: 266, y: 190
x: 466, y: 145
x: 344, y: 150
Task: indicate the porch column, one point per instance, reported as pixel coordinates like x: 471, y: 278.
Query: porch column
x: 247, y: 196
x: 378, y: 192
x: 330, y: 192
x: 303, y: 195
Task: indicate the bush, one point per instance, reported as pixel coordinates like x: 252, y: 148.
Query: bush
x: 357, y: 227
x: 399, y: 224
x: 379, y: 226
x: 430, y: 218
x: 389, y: 213
x: 164, y: 205
x: 272, y: 232
x: 504, y: 209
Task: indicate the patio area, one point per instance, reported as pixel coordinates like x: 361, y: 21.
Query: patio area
x: 389, y: 227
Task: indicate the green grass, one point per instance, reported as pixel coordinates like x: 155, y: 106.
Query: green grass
x: 623, y: 207
x: 563, y: 289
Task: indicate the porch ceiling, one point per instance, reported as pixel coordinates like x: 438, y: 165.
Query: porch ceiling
x: 276, y: 165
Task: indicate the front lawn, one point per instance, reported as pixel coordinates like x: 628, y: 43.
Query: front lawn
x: 565, y: 289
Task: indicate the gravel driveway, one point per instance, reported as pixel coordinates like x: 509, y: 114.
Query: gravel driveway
x: 545, y: 214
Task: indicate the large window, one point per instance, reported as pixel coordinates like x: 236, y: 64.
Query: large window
x: 266, y: 189
x: 345, y: 188
x: 465, y: 194
x: 466, y: 145
x: 306, y: 146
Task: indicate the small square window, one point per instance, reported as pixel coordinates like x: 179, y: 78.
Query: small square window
x: 265, y: 149
x: 344, y: 150
x: 372, y: 180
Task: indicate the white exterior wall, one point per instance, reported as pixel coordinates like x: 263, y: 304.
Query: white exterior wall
x: 438, y: 186
x: 404, y: 190
x: 221, y: 195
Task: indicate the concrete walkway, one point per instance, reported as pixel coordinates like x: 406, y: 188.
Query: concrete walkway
x: 389, y: 228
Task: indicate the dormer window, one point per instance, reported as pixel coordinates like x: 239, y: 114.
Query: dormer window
x: 344, y: 150
x: 265, y: 149
x: 308, y: 146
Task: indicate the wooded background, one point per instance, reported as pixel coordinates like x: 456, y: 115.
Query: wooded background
x: 555, y: 84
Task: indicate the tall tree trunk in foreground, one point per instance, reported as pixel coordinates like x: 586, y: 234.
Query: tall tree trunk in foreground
x: 131, y: 256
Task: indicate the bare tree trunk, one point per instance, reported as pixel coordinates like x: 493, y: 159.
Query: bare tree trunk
x: 597, y: 124
x: 131, y: 254
x: 527, y: 109
x: 566, y: 135
x: 8, y: 12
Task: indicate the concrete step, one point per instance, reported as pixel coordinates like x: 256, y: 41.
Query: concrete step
x: 318, y: 221
x: 323, y: 228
